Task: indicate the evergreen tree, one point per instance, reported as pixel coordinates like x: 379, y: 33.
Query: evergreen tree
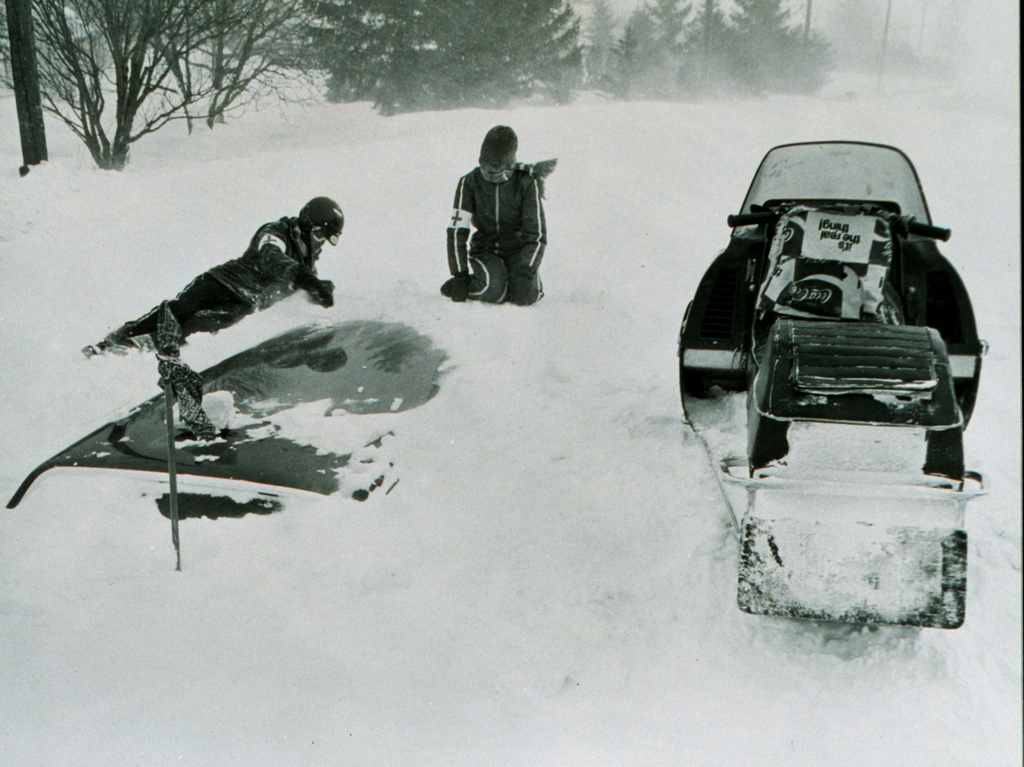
x: 762, y: 37
x: 423, y: 54
x: 707, y: 65
x: 543, y: 54
x: 351, y: 38
x: 637, y: 56
x: 669, y: 18
x: 771, y: 55
x: 649, y: 50
x: 556, y: 51
x: 600, y: 50
x: 762, y: 21
x: 408, y: 65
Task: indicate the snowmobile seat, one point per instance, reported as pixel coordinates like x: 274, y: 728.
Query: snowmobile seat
x: 855, y: 373
x: 839, y: 357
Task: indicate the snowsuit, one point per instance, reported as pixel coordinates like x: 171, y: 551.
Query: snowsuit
x: 277, y: 262
x: 507, y: 246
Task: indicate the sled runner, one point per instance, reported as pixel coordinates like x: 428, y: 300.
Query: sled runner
x: 854, y: 340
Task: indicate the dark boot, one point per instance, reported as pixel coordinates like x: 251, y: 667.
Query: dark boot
x: 120, y: 344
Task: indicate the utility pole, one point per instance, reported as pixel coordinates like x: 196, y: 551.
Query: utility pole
x: 920, y: 34
x: 807, y: 23
x: 885, y: 38
x: 26, y: 83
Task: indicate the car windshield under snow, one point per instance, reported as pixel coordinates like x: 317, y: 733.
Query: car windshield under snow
x: 837, y: 171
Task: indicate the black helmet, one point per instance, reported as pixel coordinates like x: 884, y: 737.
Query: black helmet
x: 323, y: 217
x: 499, y: 147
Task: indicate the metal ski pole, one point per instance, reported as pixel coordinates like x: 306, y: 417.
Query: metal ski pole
x: 172, y: 469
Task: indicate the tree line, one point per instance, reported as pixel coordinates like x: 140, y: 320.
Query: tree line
x: 114, y: 71
x: 674, y: 49
x: 406, y: 55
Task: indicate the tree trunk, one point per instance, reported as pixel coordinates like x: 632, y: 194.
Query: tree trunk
x: 26, y: 83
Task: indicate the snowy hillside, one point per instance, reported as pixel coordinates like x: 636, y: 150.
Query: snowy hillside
x: 553, y: 580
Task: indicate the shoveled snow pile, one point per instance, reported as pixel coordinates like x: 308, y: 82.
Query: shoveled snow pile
x: 553, y: 580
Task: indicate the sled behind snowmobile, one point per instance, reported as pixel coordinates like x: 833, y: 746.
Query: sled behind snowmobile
x: 855, y: 343
x: 856, y: 480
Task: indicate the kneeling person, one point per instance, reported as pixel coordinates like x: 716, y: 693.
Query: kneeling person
x: 501, y: 201
x: 281, y: 259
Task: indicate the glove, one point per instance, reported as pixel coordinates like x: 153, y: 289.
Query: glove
x: 457, y: 288
x: 320, y: 291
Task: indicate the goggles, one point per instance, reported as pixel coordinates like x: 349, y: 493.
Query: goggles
x: 494, y: 174
x: 320, y: 234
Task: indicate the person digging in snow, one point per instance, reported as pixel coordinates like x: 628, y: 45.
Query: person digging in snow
x: 501, y: 200
x: 280, y: 260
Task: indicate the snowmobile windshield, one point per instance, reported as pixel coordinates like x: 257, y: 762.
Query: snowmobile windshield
x: 838, y: 171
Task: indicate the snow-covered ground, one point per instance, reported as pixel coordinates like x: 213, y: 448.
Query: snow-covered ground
x: 553, y: 581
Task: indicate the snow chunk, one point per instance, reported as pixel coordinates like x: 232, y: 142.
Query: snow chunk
x: 814, y: 445
x: 219, y: 407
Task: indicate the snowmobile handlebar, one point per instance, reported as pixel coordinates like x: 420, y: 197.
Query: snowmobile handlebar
x: 911, y: 226
x: 748, y: 219
x: 927, y: 230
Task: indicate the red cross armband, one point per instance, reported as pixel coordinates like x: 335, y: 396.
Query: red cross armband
x: 460, y: 219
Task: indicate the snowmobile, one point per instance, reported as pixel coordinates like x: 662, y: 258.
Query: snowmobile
x: 852, y: 342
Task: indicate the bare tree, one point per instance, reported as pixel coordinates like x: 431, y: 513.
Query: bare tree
x: 94, y: 50
x: 252, y: 48
x: 255, y: 57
